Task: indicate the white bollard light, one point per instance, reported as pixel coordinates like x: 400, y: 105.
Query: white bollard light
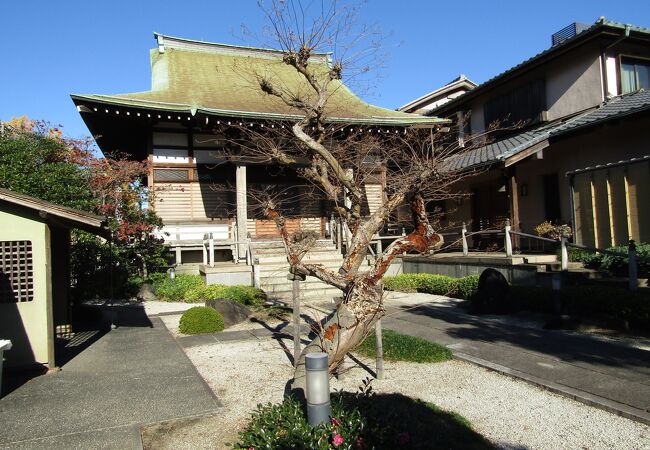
x: 319, y: 409
x: 172, y: 274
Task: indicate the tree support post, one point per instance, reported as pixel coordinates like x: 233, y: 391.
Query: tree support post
x: 296, y: 278
x: 379, y: 351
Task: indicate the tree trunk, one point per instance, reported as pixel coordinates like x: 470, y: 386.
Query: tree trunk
x: 344, y: 329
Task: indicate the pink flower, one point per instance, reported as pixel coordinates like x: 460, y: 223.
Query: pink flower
x: 338, y: 440
x: 403, y: 438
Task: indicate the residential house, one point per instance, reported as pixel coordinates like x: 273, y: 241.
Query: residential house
x: 571, y: 143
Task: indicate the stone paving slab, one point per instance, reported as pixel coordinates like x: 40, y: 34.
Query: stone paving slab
x: 131, y: 376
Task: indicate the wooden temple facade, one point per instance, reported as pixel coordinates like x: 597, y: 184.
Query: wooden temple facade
x: 200, y: 94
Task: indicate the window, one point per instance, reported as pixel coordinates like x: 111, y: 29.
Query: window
x: 16, y: 272
x: 635, y: 74
x: 522, y: 104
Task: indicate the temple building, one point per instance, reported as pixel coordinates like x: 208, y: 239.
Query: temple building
x: 200, y: 92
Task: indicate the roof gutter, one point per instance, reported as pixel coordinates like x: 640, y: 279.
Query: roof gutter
x: 603, y: 59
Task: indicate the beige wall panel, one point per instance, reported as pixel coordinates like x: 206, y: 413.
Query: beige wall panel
x: 584, y: 232
x: 28, y: 324
x: 374, y: 196
x: 618, y: 206
x: 602, y: 225
x: 173, y: 202
x: 639, y: 195
x: 209, y: 202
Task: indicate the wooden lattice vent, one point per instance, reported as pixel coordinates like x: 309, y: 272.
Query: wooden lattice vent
x: 16, y: 272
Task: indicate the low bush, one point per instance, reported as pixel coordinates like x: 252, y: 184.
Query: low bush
x: 201, y: 319
x: 176, y: 290
x: 634, y: 307
x: 401, y: 347
x: 361, y: 421
x: 465, y: 287
x: 246, y: 295
x: 615, y: 264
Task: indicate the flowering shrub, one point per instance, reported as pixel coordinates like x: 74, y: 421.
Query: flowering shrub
x: 360, y: 421
x: 549, y: 230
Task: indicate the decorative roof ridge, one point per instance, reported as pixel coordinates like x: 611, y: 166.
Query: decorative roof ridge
x: 180, y: 43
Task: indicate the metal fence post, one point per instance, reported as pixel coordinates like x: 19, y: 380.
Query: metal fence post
x: 508, y: 239
x: 633, y: 269
x: 564, y: 254
x: 464, y: 235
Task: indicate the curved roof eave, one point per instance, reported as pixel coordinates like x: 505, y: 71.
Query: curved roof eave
x: 193, y: 110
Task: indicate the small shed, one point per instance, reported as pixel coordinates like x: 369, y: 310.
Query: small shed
x: 35, y: 275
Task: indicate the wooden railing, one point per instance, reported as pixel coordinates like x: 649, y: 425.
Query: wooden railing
x: 563, y: 242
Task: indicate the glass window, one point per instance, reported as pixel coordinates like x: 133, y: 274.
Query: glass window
x: 635, y: 74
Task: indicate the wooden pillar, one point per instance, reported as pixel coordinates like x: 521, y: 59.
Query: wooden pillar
x: 514, y: 199
x: 242, y: 209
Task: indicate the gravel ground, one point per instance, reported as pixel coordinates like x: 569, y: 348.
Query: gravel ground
x: 511, y: 413
x: 156, y: 307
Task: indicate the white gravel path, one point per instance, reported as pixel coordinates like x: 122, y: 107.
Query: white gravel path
x: 511, y: 413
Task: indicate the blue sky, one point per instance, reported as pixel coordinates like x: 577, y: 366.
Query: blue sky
x: 53, y: 48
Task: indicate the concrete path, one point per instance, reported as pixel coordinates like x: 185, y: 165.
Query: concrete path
x: 133, y: 375
x: 610, y: 374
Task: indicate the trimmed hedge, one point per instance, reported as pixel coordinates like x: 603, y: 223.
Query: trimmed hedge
x: 465, y: 287
x: 200, y: 320
x: 246, y: 295
x: 634, y: 307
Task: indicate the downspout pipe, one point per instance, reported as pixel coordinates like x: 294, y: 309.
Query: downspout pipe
x: 603, y: 58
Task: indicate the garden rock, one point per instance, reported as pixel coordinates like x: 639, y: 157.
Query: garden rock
x: 232, y: 312
x: 146, y: 293
x: 493, y: 294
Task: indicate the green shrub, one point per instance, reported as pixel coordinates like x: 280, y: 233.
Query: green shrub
x: 201, y: 319
x: 176, y: 290
x: 401, y: 347
x: 427, y: 283
x: 246, y: 295
x: 467, y: 287
x: 615, y: 264
x: 360, y: 421
x: 587, y: 300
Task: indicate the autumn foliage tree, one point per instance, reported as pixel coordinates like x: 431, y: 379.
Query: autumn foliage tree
x: 338, y: 159
x: 38, y: 160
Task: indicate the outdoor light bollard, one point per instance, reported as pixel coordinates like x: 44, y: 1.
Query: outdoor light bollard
x: 464, y: 235
x: 564, y: 255
x: 319, y: 409
x: 556, y: 283
x: 508, y: 239
x: 172, y: 274
x: 633, y: 269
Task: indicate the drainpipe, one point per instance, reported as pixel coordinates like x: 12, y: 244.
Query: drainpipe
x: 603, y: 58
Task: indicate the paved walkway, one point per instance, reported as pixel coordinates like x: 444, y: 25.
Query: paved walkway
x: 607, y: 373
x: 133, y: 375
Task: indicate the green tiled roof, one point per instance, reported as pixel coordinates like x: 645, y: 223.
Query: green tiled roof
x: 198, y: 77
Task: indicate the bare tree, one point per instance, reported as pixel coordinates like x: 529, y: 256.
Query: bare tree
x: 339, y: 159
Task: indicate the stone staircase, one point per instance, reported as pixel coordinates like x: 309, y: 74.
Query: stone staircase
x: 274, y: 270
